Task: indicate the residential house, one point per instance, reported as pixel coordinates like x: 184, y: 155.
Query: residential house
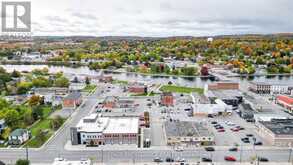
x: 2, y: 125
x: 18, y: 137
x: 72, y: 100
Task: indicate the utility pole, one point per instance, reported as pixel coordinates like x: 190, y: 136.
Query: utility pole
x: 241, y: 153
x: 26, y: 152
x: 102, y: 156
x: 290, y: 153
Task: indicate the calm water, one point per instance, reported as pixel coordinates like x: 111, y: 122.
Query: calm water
x: 192, y: 82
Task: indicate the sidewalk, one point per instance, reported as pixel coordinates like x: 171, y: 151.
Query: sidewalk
x: 110, y: 147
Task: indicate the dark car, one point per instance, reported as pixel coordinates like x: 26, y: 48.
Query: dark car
x: 169, y: 160
x: 262, y: 159
x: 214, y: 122
x: 219, y: 127
x: 210, y: 116
x: 249, y: 135
x: 234, y: 149
x: 258, y: 143
x: 245, y: 140
x: 209, y: 149
x: 206, y: 160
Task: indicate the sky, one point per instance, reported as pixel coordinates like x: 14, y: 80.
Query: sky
x: 160, y: 18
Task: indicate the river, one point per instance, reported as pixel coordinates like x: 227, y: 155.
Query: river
x: 190, y: 81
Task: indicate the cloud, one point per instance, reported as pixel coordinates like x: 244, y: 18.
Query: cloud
x: 162, y: 17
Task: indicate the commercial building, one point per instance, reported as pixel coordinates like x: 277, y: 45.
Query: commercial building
x: 286, y: 102
x: 223, y: 86
x: 219, y: 108
x: 137, y: 88
x: 230, y: 97
x: 167, y: 99
x: 111, y: 102
x: 188, y: 133
x: 278, y: 132
x: 95, y: 130
x: 270, y: 88
x: 72, y: 100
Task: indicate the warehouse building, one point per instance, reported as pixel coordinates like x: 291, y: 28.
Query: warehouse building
x: 279, y: 132
x: 95, y: 130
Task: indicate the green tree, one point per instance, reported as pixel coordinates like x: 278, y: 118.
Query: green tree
x: 87, y: 81
x: 56, y: 122
x: 62, y: 82
x: 23, y: 87
x: 22, y: 162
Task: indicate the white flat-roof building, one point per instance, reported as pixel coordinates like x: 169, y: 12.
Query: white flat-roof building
x: 214, y: 109
x: 97, y: 130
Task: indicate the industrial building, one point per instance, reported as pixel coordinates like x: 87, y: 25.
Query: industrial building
x: 188, y: 133
x: 218, y: 108
x: 230, y: 97
x: 95, y: 130
x: 279, y: 132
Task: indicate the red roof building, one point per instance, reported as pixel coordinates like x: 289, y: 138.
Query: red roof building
x: 167, y: 99
x: 285, y: 101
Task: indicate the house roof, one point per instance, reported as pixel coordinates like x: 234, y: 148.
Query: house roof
x: 286, y: 99
x: 18, y: 132
x: 73, y: 95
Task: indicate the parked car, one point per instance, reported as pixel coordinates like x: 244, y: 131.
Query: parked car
x: 210, y: 116
x: 214, y: 122
x: 158, y: 160
x: 169, y: 159
x: 180, y: 160
x: 234, y: 149
x: 262, y: 159
x: 230, y: 158
x: 234, y: 129
x: 209, y: 149
x: 258, y: 143
x: 206, y: 160
x: 249, y: 135
x: 179, y: 149
x: 221, y: 130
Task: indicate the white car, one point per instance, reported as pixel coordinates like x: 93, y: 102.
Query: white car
x: 229, y: 123
x: 179, y: 149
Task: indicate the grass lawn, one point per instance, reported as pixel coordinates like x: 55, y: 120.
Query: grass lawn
x: 89, y: 88
x: 180, y: 89
x: 41, y: 125
x: 145, y: 94
x: 35, y: 143
x: 120, y: 82
x: 46, y: 111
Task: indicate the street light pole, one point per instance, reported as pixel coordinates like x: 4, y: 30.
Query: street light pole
x: 26, y: 151
x: 290, y: 153
x: 241, y: 153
